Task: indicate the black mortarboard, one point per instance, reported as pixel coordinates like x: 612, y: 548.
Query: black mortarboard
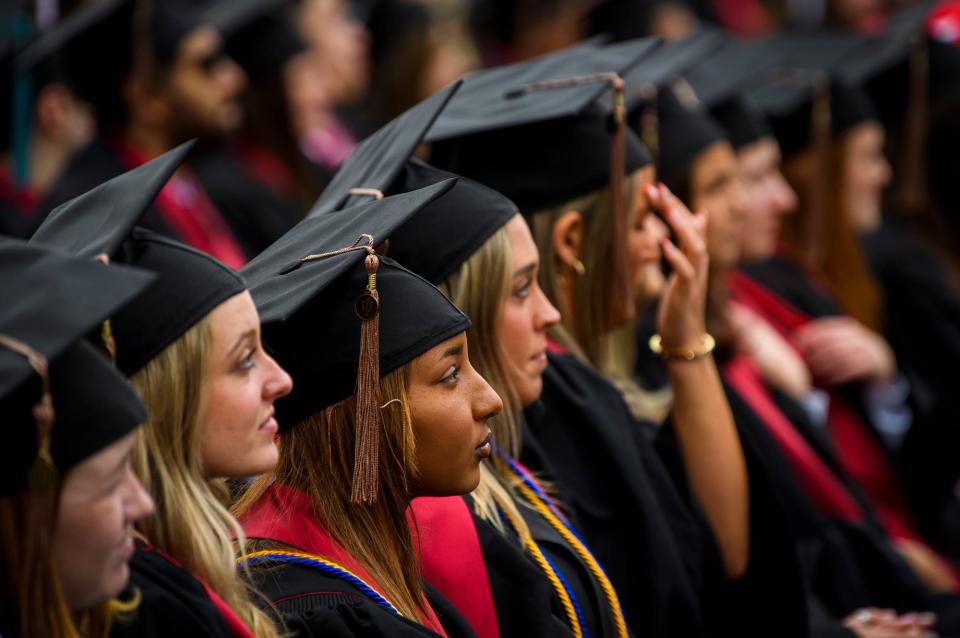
x: 51, y: 303
x: 377, y: 161
x: 685, y: 129
x: 258, y: 34
x: 189, y: 285
x: 172, y: 20
x: 541, y: 132
x: 337, y: 316
x: 453, y: 226
x: 102, y: 222
x: 101, y: 219
x: 721, y: 77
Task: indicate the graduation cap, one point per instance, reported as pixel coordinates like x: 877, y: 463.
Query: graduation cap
x: 377, y: 161
x: 685, y: 130
x: 337, y: 316
x: 434, y: 242
x: 172, y: 20
x: 102, y: 221
x: 51, y: 302
x: 721, y: 77
x: 542, y: 132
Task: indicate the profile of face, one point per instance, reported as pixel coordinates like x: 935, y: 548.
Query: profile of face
x: 715, y: 186
x: 643, y: 240
x: 100, y: 501
x: 341, y: 44
x: 238, y: 428
x: 866, y: 174
x: 204, y: 87
x: 450, y: 405
x: 768, y: 198
x: 526, y: 316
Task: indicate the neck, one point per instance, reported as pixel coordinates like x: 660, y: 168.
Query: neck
x: 151, y: 140
x: 46, y: 161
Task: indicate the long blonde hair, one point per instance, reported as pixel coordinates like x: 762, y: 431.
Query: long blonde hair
x: 480, y: 287
x: 589, y: 332
x: 191, y: 522
x: 316, y: 458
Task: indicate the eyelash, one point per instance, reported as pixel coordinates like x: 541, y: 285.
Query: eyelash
x: 524, y: 290
x: 246, y: 363
x: 452, y: 377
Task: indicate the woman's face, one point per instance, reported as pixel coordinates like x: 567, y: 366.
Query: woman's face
x: 867, y: 173
x: 643, y: 240
x: 715, y: 186
x: 93, y: 540
x: 768, y: 199
x: 527, y: 315
x: 450, y: 404
x: 241, y: 384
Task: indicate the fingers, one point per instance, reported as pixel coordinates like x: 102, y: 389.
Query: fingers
x: 677, y: 260
x: 688, y: 228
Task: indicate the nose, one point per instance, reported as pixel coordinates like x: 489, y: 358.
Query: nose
x: 547, y: 314
x: 486, y: 403
x: 232, y: 77
x: 139, y: 503
x: 278, y: 384
x: 786, y: 197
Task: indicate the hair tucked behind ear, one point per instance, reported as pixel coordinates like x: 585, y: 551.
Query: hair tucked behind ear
x: 191, y: 522
x: 316, y: 458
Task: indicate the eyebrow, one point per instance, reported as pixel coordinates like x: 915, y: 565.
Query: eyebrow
x: 453, y: 351
x: 524, y: 270
x: 249, y: 334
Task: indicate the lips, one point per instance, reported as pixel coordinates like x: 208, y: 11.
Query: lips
x: 270, y: 423
x: 485, y: 449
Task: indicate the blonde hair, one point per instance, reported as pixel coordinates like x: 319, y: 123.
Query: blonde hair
x: 316, y: 458
x: 480, y: 287
x: 191, y: 522
x: 587, y: 329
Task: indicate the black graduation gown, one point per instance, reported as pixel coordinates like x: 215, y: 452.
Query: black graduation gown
x: 922, y: 325
x: 173, y: 602
x: 524, y: 601
x: 310, y: 604
x: 255, y: 214
x: 581, y: 437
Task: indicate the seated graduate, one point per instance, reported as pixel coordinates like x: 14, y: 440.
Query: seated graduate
x: 549, y: 150
x: 848, y: 563
x: 68, y: 495
x: 506, y: 558
x: 191, y: 346
x: 387, y: 408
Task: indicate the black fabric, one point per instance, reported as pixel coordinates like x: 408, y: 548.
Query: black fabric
x: 258, y: 34
x: 743, y: 122
x: 256, y: 216
x: 581, y: 437
x: 522, y: 596
x: 308, y: 308
x: 794, y: 285
x: 311, y: 604
x: 170, y: 308
x: 540, y: 148
x: 173, y: 602
x: 51, y: 301
x: 99, y: 220
x: 685, y: 130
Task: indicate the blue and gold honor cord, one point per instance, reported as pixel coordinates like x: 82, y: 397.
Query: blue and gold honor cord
x: 544, y: 505
x: 328, y: 567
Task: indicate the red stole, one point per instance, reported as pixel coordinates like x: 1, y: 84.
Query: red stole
x: 186, y: 209
x: 452, y: 560
x: 858, y: 450
x: 286, y: 516
x: 23, y: 199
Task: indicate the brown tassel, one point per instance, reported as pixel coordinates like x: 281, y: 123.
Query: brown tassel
x: 817, y: 191
x: 620, y: 281
x: 43, y: 472
x: 367, y: 448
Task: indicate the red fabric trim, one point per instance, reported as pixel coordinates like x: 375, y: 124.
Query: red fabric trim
x: 828, y: 494
x: 267, y: 168
x: 286, y: 516
x: 555, y: 348
x: 24, y: 199
x: 453, y: 559
x: 185, y: 207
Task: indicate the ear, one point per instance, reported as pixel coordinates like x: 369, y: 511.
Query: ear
x: 568, y: 238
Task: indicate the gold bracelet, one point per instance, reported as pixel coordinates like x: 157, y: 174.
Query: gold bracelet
x: 709, y: 343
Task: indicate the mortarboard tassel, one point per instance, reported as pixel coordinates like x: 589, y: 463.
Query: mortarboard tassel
x: 43, y: 472
x: 820, y: 115
x: 365, y: 484
x: 106, y: 330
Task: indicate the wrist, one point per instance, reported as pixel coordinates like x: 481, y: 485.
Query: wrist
x: 697, y: 350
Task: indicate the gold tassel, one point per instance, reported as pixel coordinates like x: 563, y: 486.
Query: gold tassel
x: 367, y: 447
